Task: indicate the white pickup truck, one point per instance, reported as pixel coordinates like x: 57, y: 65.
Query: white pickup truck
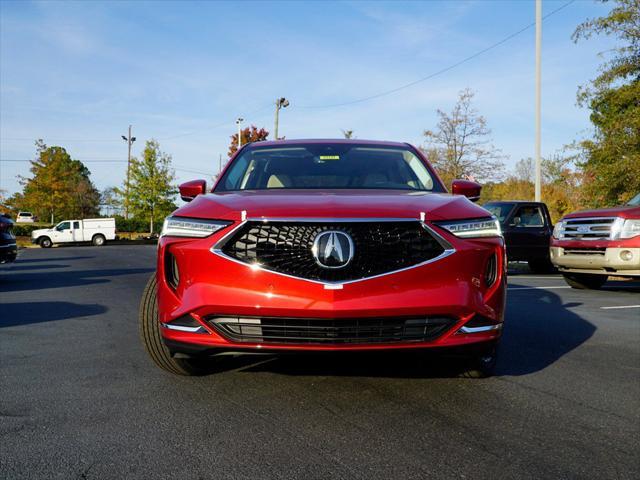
x: 94, y: 230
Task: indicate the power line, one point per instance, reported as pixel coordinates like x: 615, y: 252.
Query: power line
x: 178, y: 168
x: 439, y: 72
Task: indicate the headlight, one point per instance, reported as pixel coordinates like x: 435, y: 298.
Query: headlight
x: 622, y: 228
x: 558, y: 229
x: 191, y: 227
x: 484, y: 227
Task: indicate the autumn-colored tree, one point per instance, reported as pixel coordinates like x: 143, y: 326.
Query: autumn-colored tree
x: 561, y: 185
x: 151, y: 191
x: 460, y: 145
x: 59, y: 187
x: 248, y: 135
x: 611, y: 158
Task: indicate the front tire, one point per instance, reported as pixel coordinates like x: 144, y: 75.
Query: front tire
x: 481, y: 365
x: 45, y: 242
x: 149, y: 329
x: 585, y: 281
x: 98, y: 240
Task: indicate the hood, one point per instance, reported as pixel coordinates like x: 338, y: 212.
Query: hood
x: 624, y: 212
x: 35, y: 233
x: 331, y: 204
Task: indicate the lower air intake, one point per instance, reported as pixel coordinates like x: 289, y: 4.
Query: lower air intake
x: 330, y: 331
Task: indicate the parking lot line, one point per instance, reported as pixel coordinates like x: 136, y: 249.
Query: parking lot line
x: 620, y: 307
x: 552, y: 287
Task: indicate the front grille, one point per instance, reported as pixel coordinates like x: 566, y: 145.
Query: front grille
x: 586, y: 228
x: 328, y: 331
x: 378, y: 247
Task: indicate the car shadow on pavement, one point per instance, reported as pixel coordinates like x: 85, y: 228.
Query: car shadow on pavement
x: 16, y: 314
x: 50, y: 259
x: 45, y: 280
x: 17, y: 267
x: 539, y: 330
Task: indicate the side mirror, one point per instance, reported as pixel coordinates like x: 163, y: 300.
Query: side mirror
x: 516, y: 222
x: 190, y: 190
x: 469, y: 189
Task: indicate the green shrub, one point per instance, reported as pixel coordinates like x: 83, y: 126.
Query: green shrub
x: 24, y: 230
x: 131, y: 225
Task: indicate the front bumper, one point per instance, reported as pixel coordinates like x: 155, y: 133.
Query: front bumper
x: 8, y: 252
x: 211, y: 286
x: 603, y: 258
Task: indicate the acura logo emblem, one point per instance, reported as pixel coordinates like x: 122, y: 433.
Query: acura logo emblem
x: 333, y: 249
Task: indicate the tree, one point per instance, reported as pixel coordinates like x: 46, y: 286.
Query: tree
x: 152, y: 193
x: 248, y: 135
x: 59, y: 186
x: 611, y: 159
x: 111, y: 200
x: 561, y: 185
x: 460, y: 146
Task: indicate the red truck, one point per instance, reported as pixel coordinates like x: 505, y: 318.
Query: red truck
x: 589, y: 246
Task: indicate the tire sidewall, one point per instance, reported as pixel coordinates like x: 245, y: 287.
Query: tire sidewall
x: 98, y: 240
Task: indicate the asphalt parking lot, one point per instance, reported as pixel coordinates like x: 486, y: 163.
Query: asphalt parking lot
x: 80, y: 399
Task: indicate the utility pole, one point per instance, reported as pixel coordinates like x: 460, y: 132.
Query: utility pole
x: 538, y: 99
x: 280, y: 103
x: 129, y: 139
x: 239, y: 123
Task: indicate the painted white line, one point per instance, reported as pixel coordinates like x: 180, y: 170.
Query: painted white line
x: 555, y: 287
x: 538, y: 277
x: 619, y: 307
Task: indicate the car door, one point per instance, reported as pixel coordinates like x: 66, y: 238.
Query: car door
x: 528, y: 233
x: 76, y: 232
x: 63, y: 233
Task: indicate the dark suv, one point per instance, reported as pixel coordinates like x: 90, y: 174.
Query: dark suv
x: 8, y: 247
x: 527, y: 229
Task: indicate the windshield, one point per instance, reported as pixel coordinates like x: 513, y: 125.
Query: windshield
x: 328, y: 166
x: 635, y: 201
x: 500, y: 210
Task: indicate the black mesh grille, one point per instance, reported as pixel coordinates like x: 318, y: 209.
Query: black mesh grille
x: 339, y: 331
x: 379, y: 247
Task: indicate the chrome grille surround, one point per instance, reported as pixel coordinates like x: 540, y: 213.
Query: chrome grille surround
x: 586, y: 228
x: 217, y: 249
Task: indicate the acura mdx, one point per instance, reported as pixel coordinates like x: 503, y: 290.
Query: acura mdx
x: 325, y: 245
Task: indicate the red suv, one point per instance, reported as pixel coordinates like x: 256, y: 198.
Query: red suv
x: 325, y: 245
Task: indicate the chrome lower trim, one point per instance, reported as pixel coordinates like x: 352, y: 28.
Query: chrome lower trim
x: 182, y: 328
x: 448, y: 248
x: 486, y: 328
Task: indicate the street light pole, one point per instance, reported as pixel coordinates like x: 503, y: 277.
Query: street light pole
x: 280, y: 103
x: 538, y: 154
x: 129, y: 139
x: 239, y: 123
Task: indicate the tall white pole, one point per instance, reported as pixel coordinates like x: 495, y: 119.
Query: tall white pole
x: 239, y: 122
x: 538, y: 99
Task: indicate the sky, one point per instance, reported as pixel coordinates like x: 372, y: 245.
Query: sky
x: 77, y: 74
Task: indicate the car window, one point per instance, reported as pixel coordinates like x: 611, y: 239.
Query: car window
x: 63, y: 226
x: 530, y: 216
x: 328, y: 166
x: 76, y: 225
x: 499, y: 210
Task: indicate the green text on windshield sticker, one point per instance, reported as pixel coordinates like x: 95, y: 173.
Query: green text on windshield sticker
x: 329, y: 157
